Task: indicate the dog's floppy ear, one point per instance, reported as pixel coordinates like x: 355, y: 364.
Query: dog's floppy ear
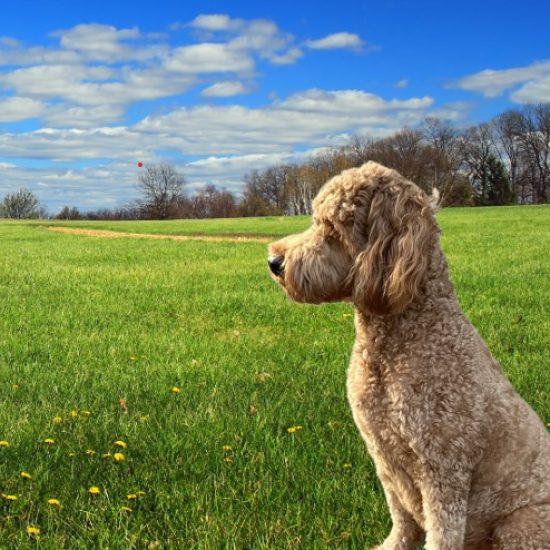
x: 389, y: 273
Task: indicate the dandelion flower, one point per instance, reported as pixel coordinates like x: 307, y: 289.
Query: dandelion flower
x: 227, y: 448
x: 106, y: 455
x: 9, y: 498
x: 4, y: 443
x: 175, y: 389
x: 293, y: 429
x: 54, y: 502
x: 132, y: 496
x: 73, y: 414
x: 90, y: 452
x: 49, y: 441
x: 57, y: 419
x: 228, y: 460
x: 119, y: 457
x: 121, y: 444
x: 26, y: 475
x: 33, y: 531
x: 93, y: 490
x: 140, y: 493
x: 126, y: 509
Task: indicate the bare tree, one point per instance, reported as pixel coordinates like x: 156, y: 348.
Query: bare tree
x: 443, y: 137
x: 406, y: 152
x: 22, y: 204
x: 161, y: 187
x: 211, y: 202
x: 507, y: 130
x: 536, y: 149
x: 299, y: 189
x: 69, y: 213
x: 488, y: 176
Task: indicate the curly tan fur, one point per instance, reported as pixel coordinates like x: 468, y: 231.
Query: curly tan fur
x: 464, y: 461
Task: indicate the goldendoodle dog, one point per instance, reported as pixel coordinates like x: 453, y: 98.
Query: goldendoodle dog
x: 463, y: 460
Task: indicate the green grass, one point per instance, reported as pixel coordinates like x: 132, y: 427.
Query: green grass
x: 270, y: 226
x: 87, y: 322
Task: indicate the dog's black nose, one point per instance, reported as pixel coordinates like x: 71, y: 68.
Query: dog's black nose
x: 276, y: 264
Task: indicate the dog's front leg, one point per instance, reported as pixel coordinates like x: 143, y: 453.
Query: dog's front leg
x: 445, y: 512
x: 405, y: 533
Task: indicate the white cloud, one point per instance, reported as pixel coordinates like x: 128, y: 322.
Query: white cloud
x: 9, y: 42
x: 403, y: 83
x: 98, y: 71
x: 215, y: 22
x: 313, y: 118
x: 85, y: 150
x: 208, y: 58
x: 287, y: 58
x: 535, y: 91
x: 99, y: 42
x: 492, y: 83
x: 337, y: 41
x: 354, y: 102
x: 225, y: 89
x: 13, y: 109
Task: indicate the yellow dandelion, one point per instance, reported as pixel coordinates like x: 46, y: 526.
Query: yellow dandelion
x: 228, y: 460
x: 26, y: 475
x: 121, y: 444
x: 57, y: 419
x: 227, y: 448
x: 140, y: 493
x: 49, y: 441
x: 293, y: 429
x: 73, y: 414
x: 106, y: 455
x: 119, y: 457
x: 175, y: 389
x: 9, y: 498
x: 93, y: 490
x: 126, y: 509
x: 132, y: 496
x: 54, y: 502
x: 90, y: 452
x: 4, y: 443
x: 33, y: 531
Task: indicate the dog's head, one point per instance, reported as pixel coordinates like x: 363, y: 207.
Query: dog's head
x: 370, y: 243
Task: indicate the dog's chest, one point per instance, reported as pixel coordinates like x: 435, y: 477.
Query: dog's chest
x: 382, y: 414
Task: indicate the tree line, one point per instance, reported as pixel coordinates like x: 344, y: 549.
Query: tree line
x: 503, y: 161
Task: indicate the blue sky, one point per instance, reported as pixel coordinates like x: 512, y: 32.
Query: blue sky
x: 87, y: 89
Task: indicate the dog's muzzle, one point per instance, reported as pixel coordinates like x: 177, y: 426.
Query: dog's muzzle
x: 275, y: 264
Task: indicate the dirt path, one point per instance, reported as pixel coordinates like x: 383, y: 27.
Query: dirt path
x: 121, y: 235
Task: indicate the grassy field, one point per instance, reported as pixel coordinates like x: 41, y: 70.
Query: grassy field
x: 190, y: 357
